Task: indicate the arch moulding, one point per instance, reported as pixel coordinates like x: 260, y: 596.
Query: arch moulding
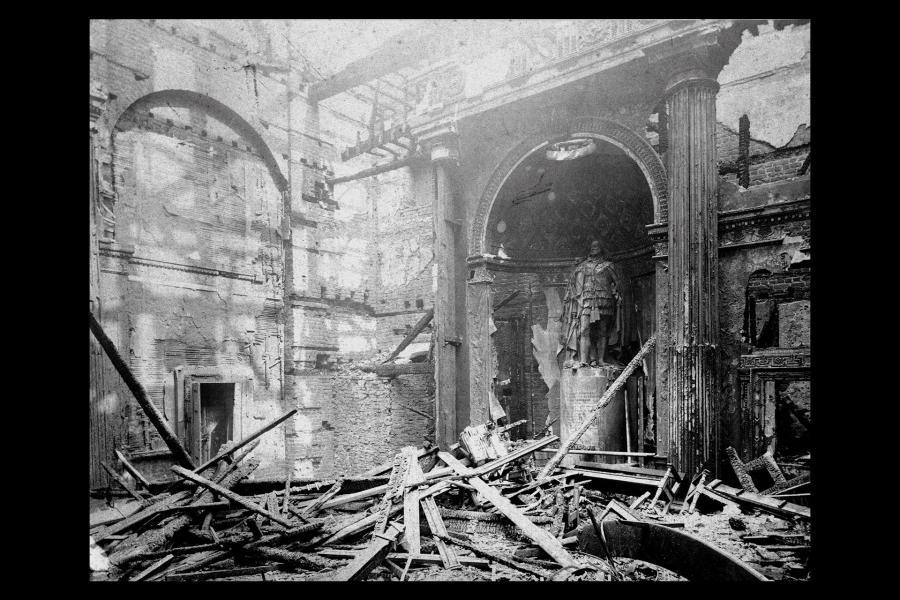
x: 630, y: 142
x: 178, y: 98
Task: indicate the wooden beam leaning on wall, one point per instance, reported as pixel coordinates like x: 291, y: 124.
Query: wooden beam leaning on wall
x: 415, y: 331
x: 140, y: 394
x: 604, y: 400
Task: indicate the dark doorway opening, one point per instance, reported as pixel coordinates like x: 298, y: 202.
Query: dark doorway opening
x: 216, y: 417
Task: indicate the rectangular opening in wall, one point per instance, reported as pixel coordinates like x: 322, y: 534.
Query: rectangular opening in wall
x: 216, y: 417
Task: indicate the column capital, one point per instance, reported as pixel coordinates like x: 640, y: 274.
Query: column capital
x: 441, y: 143
x: 479, y: 273
x: 99, y: 96
x: 693, y: 60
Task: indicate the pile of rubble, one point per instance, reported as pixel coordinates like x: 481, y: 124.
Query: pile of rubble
x: 480, y: 511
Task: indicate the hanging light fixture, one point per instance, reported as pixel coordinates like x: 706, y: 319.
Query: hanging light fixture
x: 571, y: 149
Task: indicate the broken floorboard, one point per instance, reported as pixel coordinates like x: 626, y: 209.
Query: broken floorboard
x: 770, y: 504
x: 368, y: 559
x: 402, y: 557
x: 217, y: 489
x: 539, y: 536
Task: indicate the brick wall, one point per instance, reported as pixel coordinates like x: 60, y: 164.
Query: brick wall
x: 783, y: 286
x: 367, y: 421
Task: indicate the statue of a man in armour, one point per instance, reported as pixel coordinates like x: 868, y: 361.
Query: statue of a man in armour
x: 591, y: 309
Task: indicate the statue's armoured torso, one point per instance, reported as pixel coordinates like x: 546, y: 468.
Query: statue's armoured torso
x: 595, y: 287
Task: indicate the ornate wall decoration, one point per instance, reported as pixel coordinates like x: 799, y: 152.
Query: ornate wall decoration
x: 800, y: 359
x: 439, y: 87
x: 773, y: 224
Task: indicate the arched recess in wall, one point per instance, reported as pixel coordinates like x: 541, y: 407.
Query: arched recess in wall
x: 177, y: 154
x: 187, y: 99
x: 629, y: 142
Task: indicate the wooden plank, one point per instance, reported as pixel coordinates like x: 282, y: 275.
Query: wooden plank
x: 721, y: 499
x: 140, y: 394
x: 369, y: 558
x: 154, y: 567
x: 134, y: 472
x: 604, y: 453
x: 495, y: 464
x: 536, y: 484
x: 359, y: 526
x: 627, y: 469
x: 122, y: 483
x: 245, y: 441
x: 402, y: 557
x: 401, y: 51
x: 199, y: 506
x: 614, y: 477
x: 607, y: 396
x: 237, y: 498
x: 499, y: 558
x: 411, y: 503
x: 315, y: 507
x: 436, y: 524
x: 221, y: 573
x: 416, y: 330
x: 639, y: 501
x: 538, y: 535
x: 141, y: 515
x: 121, y: 511
x: 773, y: 505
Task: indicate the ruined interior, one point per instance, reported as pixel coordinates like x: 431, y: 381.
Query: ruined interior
x: 450, y: 299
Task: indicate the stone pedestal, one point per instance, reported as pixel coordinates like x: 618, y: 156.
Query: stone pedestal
x: 580, y: 389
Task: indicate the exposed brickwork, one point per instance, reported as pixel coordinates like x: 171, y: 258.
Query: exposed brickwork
x: 782, y: 287
x: 205, y: 272
x: 368, y: 423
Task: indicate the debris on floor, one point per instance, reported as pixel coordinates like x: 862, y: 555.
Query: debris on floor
x: 480, y: 511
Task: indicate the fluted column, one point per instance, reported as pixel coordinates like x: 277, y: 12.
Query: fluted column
x: 692, y: 260
x: 444, y: 160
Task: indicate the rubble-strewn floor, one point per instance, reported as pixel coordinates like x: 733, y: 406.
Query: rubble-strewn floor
x: 326, y: 531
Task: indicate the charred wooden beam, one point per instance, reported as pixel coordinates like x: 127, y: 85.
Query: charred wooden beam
x: 368, y: 559
x: 140, y: 394
x: 392, y: 370
x: 538, y: 535
x: 399, y: 52
x: 497, y: 557
x: 157, y: 538
x: 245, y: 441
x: 134, y: 472
x: 391, y: 166
x: 315, y: 507
x: 122, y: 483
x: 608, y: 395
x: 237, y: 498
x: 415, y: 331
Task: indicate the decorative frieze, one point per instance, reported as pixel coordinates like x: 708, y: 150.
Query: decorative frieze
x: 781, y: 359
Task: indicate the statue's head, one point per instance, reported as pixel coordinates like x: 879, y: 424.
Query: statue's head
x: 596, y: 248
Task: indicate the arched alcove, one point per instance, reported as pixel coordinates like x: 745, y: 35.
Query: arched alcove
x: 608, y: 134
x: 194, y: 101
x: 553, y: 209
x: 536, y: 220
